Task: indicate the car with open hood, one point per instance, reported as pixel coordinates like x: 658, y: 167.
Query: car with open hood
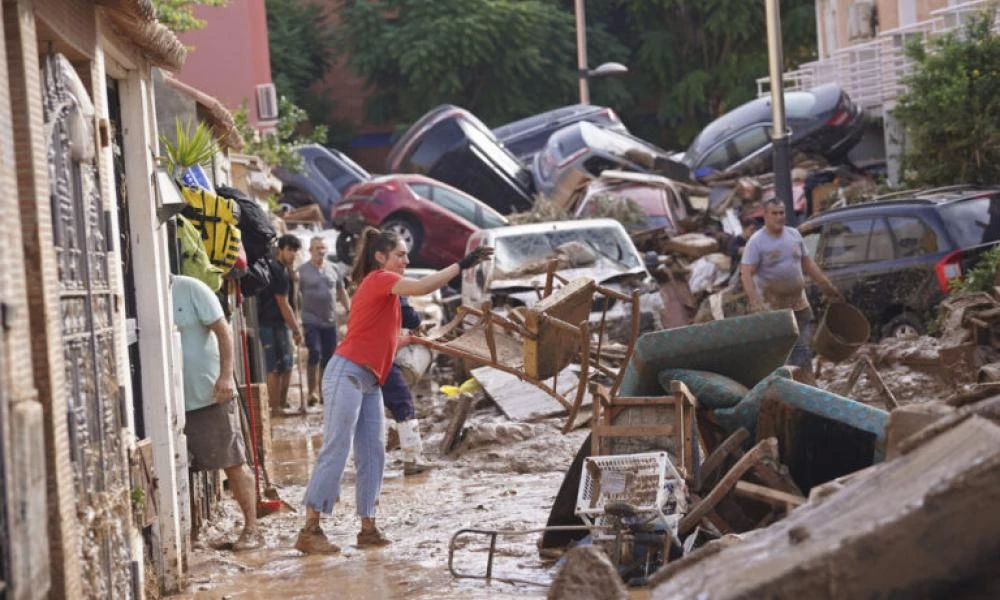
x: 452, y: 145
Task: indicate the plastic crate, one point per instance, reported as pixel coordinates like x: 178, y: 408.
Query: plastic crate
x: 646, y: 481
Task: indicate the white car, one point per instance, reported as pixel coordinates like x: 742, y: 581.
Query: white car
x: 596, y: 248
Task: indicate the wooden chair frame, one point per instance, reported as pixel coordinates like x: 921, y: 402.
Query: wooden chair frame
x: 535, y: 345
x: 607, y: 406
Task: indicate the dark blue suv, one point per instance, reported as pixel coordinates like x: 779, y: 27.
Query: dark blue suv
x: 893, y: 257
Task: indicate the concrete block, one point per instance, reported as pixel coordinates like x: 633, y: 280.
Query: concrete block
x: 922, y: 525
x: 909, y: 419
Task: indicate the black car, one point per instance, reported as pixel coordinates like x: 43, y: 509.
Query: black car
x: 894, y: 257
x: 822, y: 121
x: 451, y: 145
x: 526, y: 138
x: 325, y: 176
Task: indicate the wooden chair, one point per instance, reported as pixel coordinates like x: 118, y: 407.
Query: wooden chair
x: 672, y: 417
x: 536, y: 343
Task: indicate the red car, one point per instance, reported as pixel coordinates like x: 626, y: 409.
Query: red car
x: 433, y: 218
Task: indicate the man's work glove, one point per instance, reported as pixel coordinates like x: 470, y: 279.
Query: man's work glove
x: 475, y: 257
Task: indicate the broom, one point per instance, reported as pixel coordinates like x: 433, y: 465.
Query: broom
x: 270, y: 503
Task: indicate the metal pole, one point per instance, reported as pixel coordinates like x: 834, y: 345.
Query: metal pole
x: 781, y: 159
x: 581, y: 52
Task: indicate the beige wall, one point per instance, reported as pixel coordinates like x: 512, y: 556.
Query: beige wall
x: 834, y: 35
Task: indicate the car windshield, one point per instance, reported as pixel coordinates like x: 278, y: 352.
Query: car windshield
x: 968, y: 221
x: 529, y: 252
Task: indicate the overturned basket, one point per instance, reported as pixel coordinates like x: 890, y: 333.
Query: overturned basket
x: 648, y: 483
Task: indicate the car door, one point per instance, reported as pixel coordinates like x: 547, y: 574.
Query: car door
x: 842, y: 253
x: 913, y: 280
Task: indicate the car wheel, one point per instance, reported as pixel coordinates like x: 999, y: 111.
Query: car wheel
x: 903, y: 325
x: 408, y: 231
x: 346, y: 243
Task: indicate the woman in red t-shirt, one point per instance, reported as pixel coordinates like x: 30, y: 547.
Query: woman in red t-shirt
x: 352, y: 381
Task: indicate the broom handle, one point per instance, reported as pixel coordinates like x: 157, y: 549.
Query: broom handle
x: 249, y: 387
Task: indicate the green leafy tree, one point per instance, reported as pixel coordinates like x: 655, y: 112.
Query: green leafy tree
x: 951, y: 110
x: 302, y: 45
x: 177, y: 16
x: 278, y: 148
x: 693, y: 60
x: 501, y: 59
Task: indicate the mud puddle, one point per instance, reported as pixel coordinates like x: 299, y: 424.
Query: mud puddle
x: 507, y: 484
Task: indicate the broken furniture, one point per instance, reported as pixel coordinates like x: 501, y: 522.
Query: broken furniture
x: 745, y: 349
x: 538, y: 342
x: 674, y: 427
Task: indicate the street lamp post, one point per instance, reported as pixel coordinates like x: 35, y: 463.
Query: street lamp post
x: 583, y: 73
x: 581, y: 52
x: 781, y: 159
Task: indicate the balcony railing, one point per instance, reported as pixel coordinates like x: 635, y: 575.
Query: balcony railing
x: 872, y: 72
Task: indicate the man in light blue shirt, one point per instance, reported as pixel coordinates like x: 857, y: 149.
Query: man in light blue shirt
x: 212, y: 423
x: 773, y: 269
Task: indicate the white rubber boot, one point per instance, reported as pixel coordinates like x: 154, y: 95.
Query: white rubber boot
x: 413, y: 448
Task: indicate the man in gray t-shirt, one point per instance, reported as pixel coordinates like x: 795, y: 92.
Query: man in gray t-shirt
x: 321, y: 285
x: 775, y: 263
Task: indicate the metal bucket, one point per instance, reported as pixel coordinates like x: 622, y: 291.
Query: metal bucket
x: 414, y: 360
x: 841, y: 332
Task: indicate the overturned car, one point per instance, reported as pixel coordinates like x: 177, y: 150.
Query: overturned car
x: 595, y: 248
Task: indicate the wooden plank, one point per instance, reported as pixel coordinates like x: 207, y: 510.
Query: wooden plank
x: 521, y: 401
x: 454, y: 430
x: 768, y: 495
x: 716, y: 458
x: 768, y: 447
x: 632, y: 430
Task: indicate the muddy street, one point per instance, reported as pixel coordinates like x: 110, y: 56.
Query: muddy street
x: 507, y: 483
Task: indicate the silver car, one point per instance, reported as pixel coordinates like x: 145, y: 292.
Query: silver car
x: 582, y: 151
x: 595, y: 248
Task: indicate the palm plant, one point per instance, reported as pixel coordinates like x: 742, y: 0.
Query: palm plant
x: 192, y: 145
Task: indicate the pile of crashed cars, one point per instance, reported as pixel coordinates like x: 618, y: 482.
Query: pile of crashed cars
x: 677, y: 214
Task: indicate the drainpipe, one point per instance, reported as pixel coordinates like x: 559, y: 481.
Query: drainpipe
x: 779, y: 132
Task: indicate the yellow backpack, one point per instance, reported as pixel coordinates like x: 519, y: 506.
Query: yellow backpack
x: 217, y: 219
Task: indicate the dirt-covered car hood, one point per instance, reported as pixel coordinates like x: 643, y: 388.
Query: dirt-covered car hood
x: 601, y: 273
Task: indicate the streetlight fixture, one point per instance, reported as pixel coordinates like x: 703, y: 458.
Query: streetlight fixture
x: 608, y: 68
x: 781, y: 159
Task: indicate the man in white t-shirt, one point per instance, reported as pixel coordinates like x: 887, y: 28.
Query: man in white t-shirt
x: 212, y: 422
x: 773, y: 269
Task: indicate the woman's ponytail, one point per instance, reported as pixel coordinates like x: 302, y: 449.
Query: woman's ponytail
x: 371, y: 241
